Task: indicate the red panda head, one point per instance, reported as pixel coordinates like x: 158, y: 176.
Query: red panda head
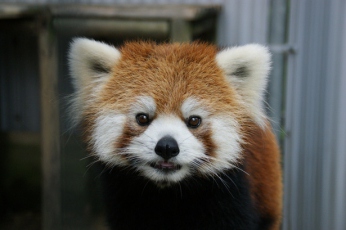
x: 168, y: 111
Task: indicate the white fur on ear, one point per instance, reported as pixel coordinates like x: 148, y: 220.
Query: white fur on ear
x: 90, y: 64
x: 90, y: 61
x: 247, y: 68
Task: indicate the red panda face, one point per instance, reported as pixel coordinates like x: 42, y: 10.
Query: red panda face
x: 167, y: 146
x: 168, y: 112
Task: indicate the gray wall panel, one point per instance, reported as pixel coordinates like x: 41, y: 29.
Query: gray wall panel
x: 242, y: 22
x: 315, y: 144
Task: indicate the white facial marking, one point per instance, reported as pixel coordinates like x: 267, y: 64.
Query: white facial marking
x: 192, y: 155
x: 227, y: 139
x: 144, y: 104
x: 143, y: 148
x: 108, y: 128
x: 192, y: 106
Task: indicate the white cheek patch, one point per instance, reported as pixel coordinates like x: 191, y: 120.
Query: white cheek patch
x: 108, y: 128
x: 143, y: 147
x: 226, y: 136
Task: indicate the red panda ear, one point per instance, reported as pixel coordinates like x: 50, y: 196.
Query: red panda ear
x: 246, y: 69
x: 90, y: 64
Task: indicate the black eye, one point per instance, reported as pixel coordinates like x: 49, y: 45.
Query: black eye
x: 194, y: 121
x: 142, y: 119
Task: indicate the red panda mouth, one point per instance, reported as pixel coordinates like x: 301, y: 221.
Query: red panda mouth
x: 165, y: 166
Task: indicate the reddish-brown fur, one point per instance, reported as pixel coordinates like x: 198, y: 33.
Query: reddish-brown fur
x: 172, y: 73
x: 262, y: 163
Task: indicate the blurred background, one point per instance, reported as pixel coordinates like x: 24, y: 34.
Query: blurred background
x: 46, y: 181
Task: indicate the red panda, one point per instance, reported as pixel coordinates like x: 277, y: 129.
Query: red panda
x: 182, y: 133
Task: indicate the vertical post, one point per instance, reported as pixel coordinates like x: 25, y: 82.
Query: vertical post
x: 180, y: 31
x: 277, y: 37
x: 50, y: 133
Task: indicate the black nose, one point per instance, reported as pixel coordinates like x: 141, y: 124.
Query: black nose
x: 167, y: 147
